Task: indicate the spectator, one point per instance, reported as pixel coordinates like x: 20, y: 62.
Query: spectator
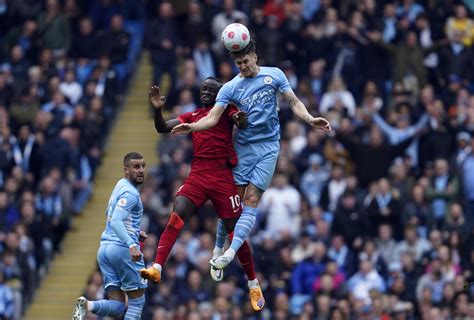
x: 305, y: 272
x: 54, y: 29
x: 283, y: 201
x: 313, y: 179
x: 442, y: 190
x: 71, y: 88
x: 338, y: 98
x: 115, y: 44
x: 350, y: 220
x: 365, y: 280
x: 385, y: 244
x: 162, y: 40
x: 433, y: 281
x: 85, y: 43
x: 385, y: 208
x: 375, y: 155
x: 412, y: 243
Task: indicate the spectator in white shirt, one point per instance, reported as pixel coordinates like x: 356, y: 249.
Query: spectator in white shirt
x: 70, y: 87
x: 338, y: 97
x: 366, y: 279
x: 281, y: 206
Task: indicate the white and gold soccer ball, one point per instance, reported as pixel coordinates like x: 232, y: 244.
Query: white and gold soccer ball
x: 235, y: 37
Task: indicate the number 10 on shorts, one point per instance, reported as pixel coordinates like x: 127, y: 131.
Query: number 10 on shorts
x: 235, y: 202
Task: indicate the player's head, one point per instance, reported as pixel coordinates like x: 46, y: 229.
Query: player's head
x: 134, y: 168
x: 246, y: 60
x: 209, y: 89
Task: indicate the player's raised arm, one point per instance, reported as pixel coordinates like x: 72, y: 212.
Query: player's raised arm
x: 205, y: 123
x: 301, y: 112
x: 158, y: 102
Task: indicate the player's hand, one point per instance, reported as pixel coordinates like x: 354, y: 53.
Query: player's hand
x: 142, y: 236
x: 135, y: 253
x: 156, y: 99
x: 183, y: 128
x: 320, y: 123
x: 240, y: 119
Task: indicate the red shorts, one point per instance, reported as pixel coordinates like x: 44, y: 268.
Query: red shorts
x: 215, y: 184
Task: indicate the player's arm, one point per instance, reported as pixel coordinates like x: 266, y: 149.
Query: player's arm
x: 119, y: 214
x: 205, y: 123
x: 158, y: 102
x: 301, y: 112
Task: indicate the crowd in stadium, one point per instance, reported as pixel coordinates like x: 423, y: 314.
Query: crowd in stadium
x: 62, y: 79
x: 373, y: 221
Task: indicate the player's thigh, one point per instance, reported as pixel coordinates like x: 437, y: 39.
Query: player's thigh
x: 194, y: 189
x: 224, y: 195
x: 126, y: 269
x: 111, y: 279
x: 262, y: 173
x: 247, y: 160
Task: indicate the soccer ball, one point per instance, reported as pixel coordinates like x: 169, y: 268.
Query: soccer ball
x: 235, y: 37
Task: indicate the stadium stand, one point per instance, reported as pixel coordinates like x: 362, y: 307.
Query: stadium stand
x: 374, y: 221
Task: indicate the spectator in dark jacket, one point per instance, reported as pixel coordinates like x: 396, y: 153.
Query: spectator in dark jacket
x: 375, y: 155
x: 162, y: 39
x: 350, y: 220
x: 84, y: 44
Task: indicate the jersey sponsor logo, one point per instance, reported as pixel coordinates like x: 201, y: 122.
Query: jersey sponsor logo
x: 268, y: 80
x: 122, y: 202
x: 261, y: 97
x: 194, y: 113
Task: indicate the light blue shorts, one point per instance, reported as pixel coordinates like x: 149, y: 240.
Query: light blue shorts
x: 257, y: 162
x: 118, y: 269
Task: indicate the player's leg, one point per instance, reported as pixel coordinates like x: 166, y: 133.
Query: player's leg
x: 246, y: 261
x: 258, y: 180
x: 221, y: 233
x: 136, y: 301
x: 132, y: 284
x: 115, y: 306
x: 188, y: 198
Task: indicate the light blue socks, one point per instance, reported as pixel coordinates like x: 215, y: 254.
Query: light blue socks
x: 110, y: 308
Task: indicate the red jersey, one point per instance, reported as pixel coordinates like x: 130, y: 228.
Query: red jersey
x: 214, y: 143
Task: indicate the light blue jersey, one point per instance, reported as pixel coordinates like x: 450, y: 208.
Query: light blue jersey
x: 124, y: 216
x: 256, y: 96
x: 124, y: 204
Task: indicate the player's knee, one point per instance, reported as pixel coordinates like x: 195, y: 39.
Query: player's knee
x: 176, y: 220
x: 251, y: 200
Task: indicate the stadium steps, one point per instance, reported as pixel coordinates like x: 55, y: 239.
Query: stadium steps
x: 69, y: 272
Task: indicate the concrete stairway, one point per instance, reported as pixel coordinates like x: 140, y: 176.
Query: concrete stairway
x: 133, y: 131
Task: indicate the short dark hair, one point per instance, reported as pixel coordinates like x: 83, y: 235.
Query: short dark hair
x: 216, y: 79
x: 131, y: 156
x: 250, y: 48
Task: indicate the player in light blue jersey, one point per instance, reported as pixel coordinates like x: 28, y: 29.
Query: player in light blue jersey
x: 254, y: 90
x: 119, y: 255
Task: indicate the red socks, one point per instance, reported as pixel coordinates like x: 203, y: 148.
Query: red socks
x: 168, y: 238
x: 246, y: 260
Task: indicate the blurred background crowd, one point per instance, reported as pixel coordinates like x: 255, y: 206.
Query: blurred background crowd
x: 64, y: 67
x: 372, y: 222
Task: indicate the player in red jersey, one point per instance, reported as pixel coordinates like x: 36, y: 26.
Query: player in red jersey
x: 210, y: 178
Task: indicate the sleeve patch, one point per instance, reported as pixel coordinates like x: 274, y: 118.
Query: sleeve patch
x: 122, y: 202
